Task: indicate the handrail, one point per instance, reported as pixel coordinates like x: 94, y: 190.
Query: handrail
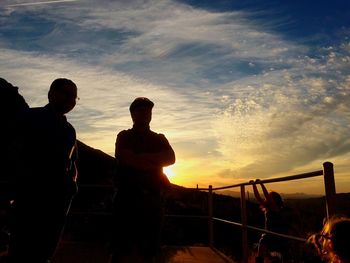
x: 96, y: 185
x: 272, y: 180
x: 329, y: 184
x: 261, y: 230
x: 279, y: 179
x: 330, y: 192
x: 186, y: 216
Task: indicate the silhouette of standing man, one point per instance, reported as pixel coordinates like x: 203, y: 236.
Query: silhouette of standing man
x: 46, y: 177
x: 12, y: 104
x: 141, y: 155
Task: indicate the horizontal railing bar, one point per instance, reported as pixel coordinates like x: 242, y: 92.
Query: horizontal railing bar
x: 261, y: 230
x: 95, y: 185
x: 198, y: 188
x: 226, y: 221
x: 90, y: 213
x: 187, y: 216
x: 279, y: 179
x: 277, y: 234
x: 273, y: 180
x: 110, y: 214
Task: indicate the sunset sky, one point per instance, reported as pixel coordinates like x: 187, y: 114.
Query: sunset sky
x: 242, y: 89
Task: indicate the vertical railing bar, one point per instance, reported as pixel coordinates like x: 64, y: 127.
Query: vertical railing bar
x: 244, y: 226
x: 329, y: 184
x: 210, y: 217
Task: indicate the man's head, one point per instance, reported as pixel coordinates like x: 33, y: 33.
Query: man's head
x: 62, y: 95
x: 141, y: 111
x: 141, y: 102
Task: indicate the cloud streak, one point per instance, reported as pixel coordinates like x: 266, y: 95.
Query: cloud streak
x: 41, y: 3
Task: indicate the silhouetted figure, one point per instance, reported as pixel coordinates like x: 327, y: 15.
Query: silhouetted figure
x: 332, y: 243
x: 275, y: 220
x: 46, y: 176
x: 11, y: 105
x: 141, y: 155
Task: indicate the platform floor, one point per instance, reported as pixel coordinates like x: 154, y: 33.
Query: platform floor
x: 195, y: 255
x: 72, y: 252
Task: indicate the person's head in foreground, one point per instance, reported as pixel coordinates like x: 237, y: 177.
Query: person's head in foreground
x: 332, y: 243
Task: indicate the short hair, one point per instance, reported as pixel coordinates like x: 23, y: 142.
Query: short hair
x: 141, y: 102
x: 60, y: 83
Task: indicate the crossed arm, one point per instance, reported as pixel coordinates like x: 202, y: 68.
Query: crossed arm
x: 145, y: 161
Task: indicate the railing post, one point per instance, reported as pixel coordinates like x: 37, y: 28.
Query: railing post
x: 244, y: 226
x: 329, y: 184
x: 210, y: 217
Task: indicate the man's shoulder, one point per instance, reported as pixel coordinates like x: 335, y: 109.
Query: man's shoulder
x: 156, y: 136
x: 125, y: 132
x: 36, y: 110
x: 156, y: 133
x: 71, y: 127
x: 31, y: 114
x: 130, y: 132
x: 124, y: 135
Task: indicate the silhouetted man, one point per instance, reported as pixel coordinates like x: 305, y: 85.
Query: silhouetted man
x: 141, y: 155
x: 46, y: 176
x: 11, y: 105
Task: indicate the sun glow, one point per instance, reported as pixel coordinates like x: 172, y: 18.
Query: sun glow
x: 169, y: 171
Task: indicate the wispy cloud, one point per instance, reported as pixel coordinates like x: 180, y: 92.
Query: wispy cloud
x: 40, y: 3
x: 292, y: 117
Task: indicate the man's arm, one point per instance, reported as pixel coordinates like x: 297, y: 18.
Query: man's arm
x: 162, y: 158
x: 145, y: 161
x: 266, y: 193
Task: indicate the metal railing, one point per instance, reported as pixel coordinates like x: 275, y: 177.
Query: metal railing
x: 330, y: 193
x: 329, y: 184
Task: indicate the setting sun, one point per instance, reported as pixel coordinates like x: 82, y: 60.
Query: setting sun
x: 169, y: 171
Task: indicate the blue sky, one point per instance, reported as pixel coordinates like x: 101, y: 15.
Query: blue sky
x: 243, y: 89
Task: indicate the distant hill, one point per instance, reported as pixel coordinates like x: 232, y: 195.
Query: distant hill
x: 94, y: 166
x: 250, y: 195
